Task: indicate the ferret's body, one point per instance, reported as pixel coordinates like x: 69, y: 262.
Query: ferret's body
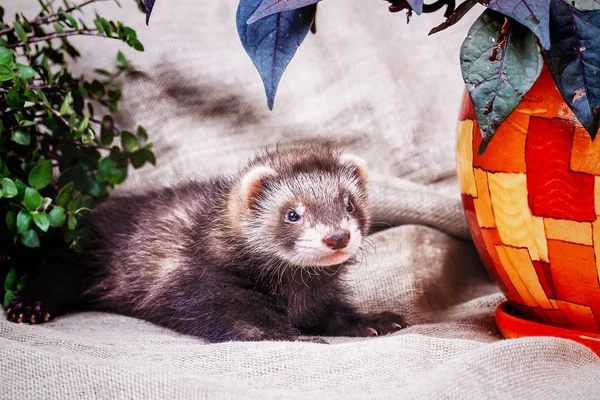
x: 255, y: 256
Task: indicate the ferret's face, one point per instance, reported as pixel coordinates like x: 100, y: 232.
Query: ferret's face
x: 310, y: 218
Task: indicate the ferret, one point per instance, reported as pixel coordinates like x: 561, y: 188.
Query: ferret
x: 259, y: 255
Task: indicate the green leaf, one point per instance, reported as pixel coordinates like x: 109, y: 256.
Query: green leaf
x: 121, y: 59
x: 58, y: 28
x: 6, y: 56
x: 108, y: 171
x: 11, y: 279
x: 65, y: 195
x: 128, y: 141
x: 20, y: 189
x: 21, y: 283
x: 1, y: 126
x: 72, y: 224
x: 66, y: 104
x: 24, y: 219
x: 500, y: 62
x: 41, y: 175
x: 57, y: 216
x: 32, y: 199
x: 11, y: 220
x: 41, y: 220
x: 42, y: 97
x: 136, y: 44
x: 25, y: 71
x: 6, y: 73
x: 21, y: 137
x: 142, y: 136
x: 9, y: 188
x: 71, y: 20
x: 84, y: 124
x: 30, y: 238
x: 8, y: 298
x: 20, y: 31
x: 75, y: 203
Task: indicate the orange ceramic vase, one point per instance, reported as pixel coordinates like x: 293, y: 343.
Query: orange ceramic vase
x: 532, y: 202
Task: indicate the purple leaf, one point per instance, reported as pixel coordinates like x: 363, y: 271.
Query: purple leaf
x: 416, y: 5
x: 270, y: 7
x: 574, y: 60
x: 534, y: 14
x: 149, y: 4
x: 271, y: 42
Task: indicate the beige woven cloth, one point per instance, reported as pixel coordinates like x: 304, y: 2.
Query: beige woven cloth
x: 374, y: 86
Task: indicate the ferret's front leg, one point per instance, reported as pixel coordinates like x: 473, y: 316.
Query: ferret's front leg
x: 339, y: 318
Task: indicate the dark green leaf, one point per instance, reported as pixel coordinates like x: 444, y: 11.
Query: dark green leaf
x: 6, y: 56
x: 9, y: 188
x: 8, y: 298
x: 128, y: 141
x: 500, y: 62
x: 24, y: 219
x: 107, y: 131
x: 42, y: 97
x: 72, y: 222
x: 11, y: 279
x: 25, y: 71
x: 41, y: 220
x: 574, y: 60
x: 6, y: 73
x: 65, y: 195
x: 11, y: 220
x: 57, y: 216
x: 41, y: 175
x: 21, y: 137
x: 30, y: 238
x: 534, y: 14
x: 32, y: 200
x: 76, y: 174
x: 20, y: 189
x: 139, y: 157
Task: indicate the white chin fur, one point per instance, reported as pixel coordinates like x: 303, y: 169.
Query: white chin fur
x: 310, y: 251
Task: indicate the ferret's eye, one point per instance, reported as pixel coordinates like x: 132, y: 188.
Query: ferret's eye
x: 350, y: 207
x: 292, y: 216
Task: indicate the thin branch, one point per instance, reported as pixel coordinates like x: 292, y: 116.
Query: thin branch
x: 89, y: 32
x: 41, y: 87
x: 45, y: 18
x: 60, y: 117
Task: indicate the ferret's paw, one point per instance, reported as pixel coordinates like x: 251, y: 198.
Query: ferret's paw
x: 379, y: 324
x: 22, y: 311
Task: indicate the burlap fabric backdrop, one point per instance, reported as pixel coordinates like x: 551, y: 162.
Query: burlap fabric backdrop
x: 374, y: 86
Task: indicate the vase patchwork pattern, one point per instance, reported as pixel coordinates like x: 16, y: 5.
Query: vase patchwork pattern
x: 532, y: 202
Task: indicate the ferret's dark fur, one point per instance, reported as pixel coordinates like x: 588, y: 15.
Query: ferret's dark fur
x: 223, y: 259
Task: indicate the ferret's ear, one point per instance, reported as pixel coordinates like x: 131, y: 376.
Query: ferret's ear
x: 252, y: 183
x: 357, y: 165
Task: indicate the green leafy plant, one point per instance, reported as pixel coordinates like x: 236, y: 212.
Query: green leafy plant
x: 501, y: 58
x: 60, y: 149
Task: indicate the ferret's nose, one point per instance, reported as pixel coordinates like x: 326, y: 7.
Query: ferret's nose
x: 337, y: 240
